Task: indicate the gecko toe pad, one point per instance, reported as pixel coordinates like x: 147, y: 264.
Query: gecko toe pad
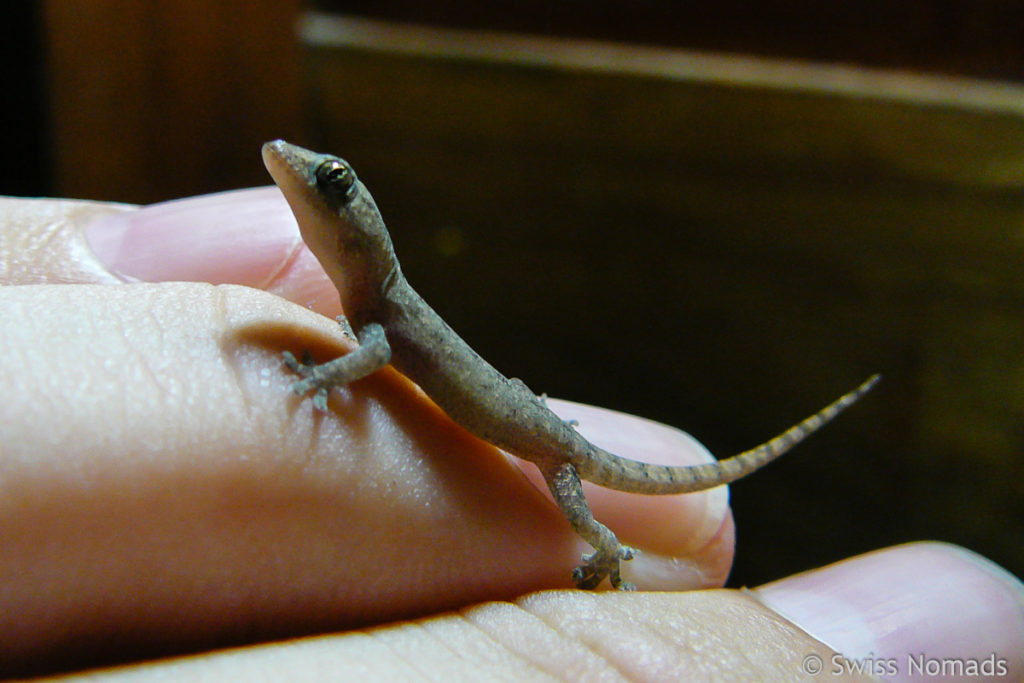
x: 310, y: 380
x: 598, y: 565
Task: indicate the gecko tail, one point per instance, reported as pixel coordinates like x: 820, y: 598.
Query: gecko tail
x: 622, y: 474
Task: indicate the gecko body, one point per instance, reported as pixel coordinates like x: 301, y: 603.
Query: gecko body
x: 341, y: 224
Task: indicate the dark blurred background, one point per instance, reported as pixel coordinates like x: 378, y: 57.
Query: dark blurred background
x: 722, y: 216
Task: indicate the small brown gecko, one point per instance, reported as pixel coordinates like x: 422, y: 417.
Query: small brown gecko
x: 340, y: 223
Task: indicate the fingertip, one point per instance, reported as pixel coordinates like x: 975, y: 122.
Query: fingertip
x: 246, y: 237
x: 686, y: 541
x: 909, y: 608
x: 699, y: 566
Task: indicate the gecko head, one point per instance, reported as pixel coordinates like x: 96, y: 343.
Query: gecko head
x: 337, y: 217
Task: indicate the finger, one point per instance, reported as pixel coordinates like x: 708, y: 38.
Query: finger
x: 246, y: 237
x: 568, y: 635
x: 966, y: 612
x: 918, y: 611
x: 160, y: 486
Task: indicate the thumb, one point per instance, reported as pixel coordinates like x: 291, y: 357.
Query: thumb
x: 911, y: 612
x: 246, y: 237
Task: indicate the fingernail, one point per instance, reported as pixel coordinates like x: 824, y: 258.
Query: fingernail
x: 244, y: 237
x: 922, y: 611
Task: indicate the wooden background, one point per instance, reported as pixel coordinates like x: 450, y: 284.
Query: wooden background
x: 720, y: 243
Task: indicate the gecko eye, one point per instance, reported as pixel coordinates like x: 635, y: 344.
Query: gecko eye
x: 338, y: 178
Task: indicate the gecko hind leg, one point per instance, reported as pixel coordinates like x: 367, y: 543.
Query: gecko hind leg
x: 565, y: 485
x: 373, y: 353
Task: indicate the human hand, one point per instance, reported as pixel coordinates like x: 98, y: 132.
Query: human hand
x: 164, y: 491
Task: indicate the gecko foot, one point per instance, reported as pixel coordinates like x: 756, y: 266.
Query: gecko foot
x: 310, y: 381
x: 372, y: 354
x: 598, y: 565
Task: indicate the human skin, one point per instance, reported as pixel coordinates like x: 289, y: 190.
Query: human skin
x: 162, y: 491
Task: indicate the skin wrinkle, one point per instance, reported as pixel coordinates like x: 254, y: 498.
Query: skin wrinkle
x: 80, y: 253
x: 621, y: 651
x: 55, y: 250
x: 474, y: 651
x: 482, y: 618
x: 289, y: 261
x: 641, y: 642
x: 497, y: 643
x: 418, y: 628
x: 579, y: 616
x: 164, y: 383
x: 236, y: 354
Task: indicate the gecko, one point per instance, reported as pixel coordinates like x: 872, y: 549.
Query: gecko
x: 340, y: 223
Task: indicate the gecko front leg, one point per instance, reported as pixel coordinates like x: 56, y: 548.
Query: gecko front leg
x: 564, y: 483
x: 373, y: 353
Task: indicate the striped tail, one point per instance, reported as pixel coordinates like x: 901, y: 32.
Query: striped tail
x: 622, y: 474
